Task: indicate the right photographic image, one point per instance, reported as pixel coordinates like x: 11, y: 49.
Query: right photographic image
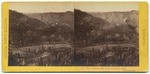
x: 106, y: 34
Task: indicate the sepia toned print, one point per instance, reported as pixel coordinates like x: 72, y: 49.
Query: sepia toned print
x: 73, y: 34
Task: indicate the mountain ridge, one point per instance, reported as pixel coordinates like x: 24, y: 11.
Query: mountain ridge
x: 52, y: 18
x: 119, y: 18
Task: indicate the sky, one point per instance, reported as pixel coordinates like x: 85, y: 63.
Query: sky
x: 41, y: 7
x: 38, y: 7
x: 106, y: 7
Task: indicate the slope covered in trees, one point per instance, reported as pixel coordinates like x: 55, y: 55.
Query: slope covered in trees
x: 26, y: 31
x: 91, y: 30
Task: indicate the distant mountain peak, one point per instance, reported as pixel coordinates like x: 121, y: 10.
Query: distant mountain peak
x: 119, y: 18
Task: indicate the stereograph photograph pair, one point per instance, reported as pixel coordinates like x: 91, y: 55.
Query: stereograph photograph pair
x: 74, y: 37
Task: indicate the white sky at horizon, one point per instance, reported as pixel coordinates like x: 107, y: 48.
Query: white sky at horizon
x: 43, y: 7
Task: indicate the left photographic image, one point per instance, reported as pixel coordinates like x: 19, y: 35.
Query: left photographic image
x: 41, y: 34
